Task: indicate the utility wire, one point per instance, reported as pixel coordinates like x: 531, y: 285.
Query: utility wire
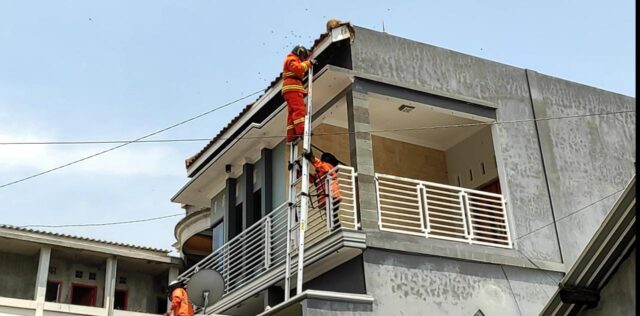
x: 319, y: 134
x: 132, y: 141
x: 572, y: 213
x: 101, y: 224
x: 513, y: 294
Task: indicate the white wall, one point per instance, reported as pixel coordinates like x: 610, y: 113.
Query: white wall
x: 468, y: 157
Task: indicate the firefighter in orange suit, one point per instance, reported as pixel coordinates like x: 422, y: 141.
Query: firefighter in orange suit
x: 295, y: 66
x: 180, y: 304
x: 324, y: 166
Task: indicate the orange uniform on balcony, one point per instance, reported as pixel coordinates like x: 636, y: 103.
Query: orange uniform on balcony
x: 293, y: 91
x: 324, y: 167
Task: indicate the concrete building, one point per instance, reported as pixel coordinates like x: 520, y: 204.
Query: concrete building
x: 469, y: 187
x: 45, y: 273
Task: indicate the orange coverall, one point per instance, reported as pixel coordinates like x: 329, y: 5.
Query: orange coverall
x: 322, y: 168
x: 180, y: 304
x: 293, y: 92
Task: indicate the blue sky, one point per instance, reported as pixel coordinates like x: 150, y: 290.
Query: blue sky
x: 99, y: 70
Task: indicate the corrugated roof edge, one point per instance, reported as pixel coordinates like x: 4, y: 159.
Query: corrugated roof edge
x: 189, y: 161
x: 29, y: 230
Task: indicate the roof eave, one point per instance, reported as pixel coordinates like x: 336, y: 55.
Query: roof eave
x: 337, y: 34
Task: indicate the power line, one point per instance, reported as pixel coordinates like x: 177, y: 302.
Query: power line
x: 102, y: 224
x: 572, y: 213
x: 129, y: 142
x: 94, y: 142
x: 319, y: 134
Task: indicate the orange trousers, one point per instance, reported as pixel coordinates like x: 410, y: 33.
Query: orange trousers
x: 296, y: 110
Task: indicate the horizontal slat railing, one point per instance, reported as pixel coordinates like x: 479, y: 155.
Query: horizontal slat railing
x: 262, y: 246
x: 435, y: 210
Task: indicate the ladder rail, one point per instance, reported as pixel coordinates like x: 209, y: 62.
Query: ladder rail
x: 304, y: 198
x: 293, y: 149
x: 298, y: 226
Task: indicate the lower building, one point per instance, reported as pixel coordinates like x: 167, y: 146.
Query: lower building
x: 44, y: 273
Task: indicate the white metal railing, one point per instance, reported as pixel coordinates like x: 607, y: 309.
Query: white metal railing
x: 327, y: 210
x: 262, y: 246
x: 434, y: 210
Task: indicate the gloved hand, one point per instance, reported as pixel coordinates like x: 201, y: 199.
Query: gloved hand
x: 308, y: 156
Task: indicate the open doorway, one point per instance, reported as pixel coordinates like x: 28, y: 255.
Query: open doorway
x: 83, y: 294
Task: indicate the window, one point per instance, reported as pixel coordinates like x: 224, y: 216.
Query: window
x: 120, y: 300
x: 78, y: 274
x: 218, y: 235
x: 52, y: 270
x: 122, y: 280
x: 52, y: 293
x: 92, y: 275
x: 83, y: 295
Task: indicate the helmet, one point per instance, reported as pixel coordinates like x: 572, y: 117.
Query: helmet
x: 175, y: 284
x: 327, y: 157
x: 301, y: 52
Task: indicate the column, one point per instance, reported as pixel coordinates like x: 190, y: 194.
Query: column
x: 361, y: 151
x: 110, y: 285
x: 247, y: 206
x: 230, y: 216
x: 267, y: 182
x: 41, y: 279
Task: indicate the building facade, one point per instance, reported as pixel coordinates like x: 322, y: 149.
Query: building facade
x: 468, y: 187
x: 44, y: 273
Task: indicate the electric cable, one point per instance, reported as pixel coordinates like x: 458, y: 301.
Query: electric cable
x: 317, y: 134
x: 100, y: 224
x: 132, y: 141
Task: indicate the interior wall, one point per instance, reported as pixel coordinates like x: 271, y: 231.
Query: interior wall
x: 472, y: 160
x: 390, y: 156
x: 18, y: 275
x: 402, y: 159
x: 332, y: 139
x: 65, y: 272
x: 141, y: 292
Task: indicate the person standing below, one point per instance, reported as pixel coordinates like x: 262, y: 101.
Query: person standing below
x: 180, y: 303
x: 295, y: 67
x: 324, y: 167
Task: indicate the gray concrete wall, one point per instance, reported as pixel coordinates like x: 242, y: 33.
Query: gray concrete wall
x: 618, y: 297
x: 516, y: 146
x: 315, y: 307
x: 141, y: 290
x: 18, y: 275
x: 403, y: 284
x: 584, y: 158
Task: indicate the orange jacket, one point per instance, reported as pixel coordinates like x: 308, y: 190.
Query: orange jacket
x: 322, y: 168
x: 180, y: 304
x: 293, y: 72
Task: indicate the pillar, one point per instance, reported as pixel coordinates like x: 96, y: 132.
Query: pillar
x: 110, y: 285
x: 361, y: 151
x: 41, y: 279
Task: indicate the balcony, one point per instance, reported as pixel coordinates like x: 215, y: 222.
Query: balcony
x: 256, y: 257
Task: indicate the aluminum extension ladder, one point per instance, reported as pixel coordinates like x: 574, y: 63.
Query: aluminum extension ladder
x: 297, y: 213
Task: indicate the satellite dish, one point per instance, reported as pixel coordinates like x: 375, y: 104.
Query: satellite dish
x: 205, y: 288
